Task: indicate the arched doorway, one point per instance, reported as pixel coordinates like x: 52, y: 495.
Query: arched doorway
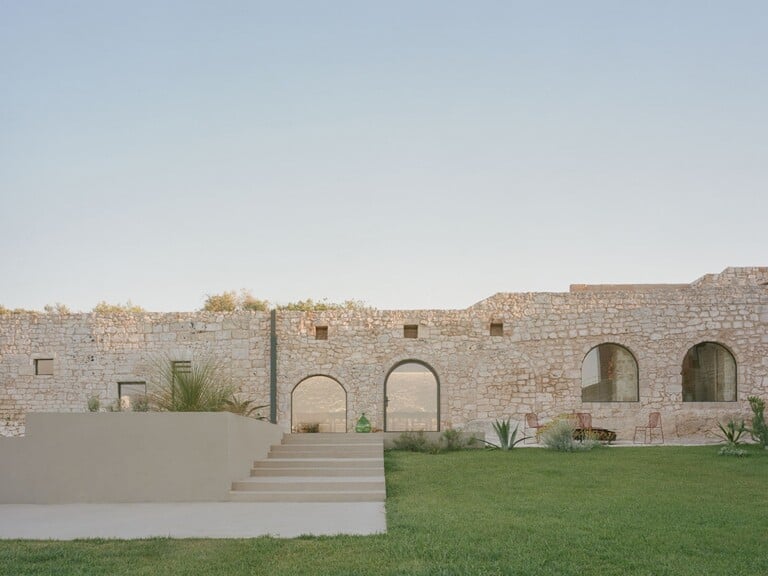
x: 412, y: 398
x: 319, y: 404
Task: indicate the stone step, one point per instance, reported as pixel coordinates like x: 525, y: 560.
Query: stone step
x: 323, y: 452
x: 362, y: 463
x: 317, y: 471
x: 282, y: 496
x: 309, y: 484
x: 331, y: 438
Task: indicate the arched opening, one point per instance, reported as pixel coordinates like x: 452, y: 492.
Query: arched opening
x: 319, y: 404
x: 709, y: 374
x: 609, y: 374
x: 412, y: 398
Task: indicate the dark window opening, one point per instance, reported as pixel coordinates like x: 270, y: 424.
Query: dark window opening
x: 411, y: 331
x: 44, y: 367
x: 497, y: 329
x: 321, y: 332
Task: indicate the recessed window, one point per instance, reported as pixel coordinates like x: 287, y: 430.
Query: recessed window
x: 709, y: 374
x: 131, y: 394
x: 411, y: 331
x: 497, y: 329
x: 609, y: 374
x: 321, y: 332
x: 44, y: 367
x: 181, y: 367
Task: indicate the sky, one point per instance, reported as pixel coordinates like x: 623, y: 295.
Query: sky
x: 410, y: 154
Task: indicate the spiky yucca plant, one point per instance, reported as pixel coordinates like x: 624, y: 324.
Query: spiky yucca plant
x: 200, y: 387
x: 507, y: 436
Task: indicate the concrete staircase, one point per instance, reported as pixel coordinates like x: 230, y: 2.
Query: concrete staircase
x: 317, y: 468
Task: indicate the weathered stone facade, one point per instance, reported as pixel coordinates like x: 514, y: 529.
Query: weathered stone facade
x: 534, y: 366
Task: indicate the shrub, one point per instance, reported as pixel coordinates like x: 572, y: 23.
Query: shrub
x: 202, y: 388
x: 127, y: 308
x: 94, y: 404
x: 732, y: 450
x: 244, y: 407
x: 140, y: 404
x: 57, y: 308
x: 309, y: 428
x: 559, y: 435
x: 231, y: 301
x: 453, y: 439
x: 413, y: 442
x: 759, y: 430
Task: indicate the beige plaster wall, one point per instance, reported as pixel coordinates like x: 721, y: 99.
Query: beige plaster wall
x: 131, y: 457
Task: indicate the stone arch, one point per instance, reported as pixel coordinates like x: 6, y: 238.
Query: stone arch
x: 411, y: 397
x: 609, y: 373
x: 709, y: 373
x: 319, y: 404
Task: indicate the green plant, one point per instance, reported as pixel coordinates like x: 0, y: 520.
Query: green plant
x: 506, y: 435
x: 732, y: 432
x: 309, y: 428
x: 94, y: 404
x: 759, y: 430
x: 127, y: 308
x: 453, y: 439
x: 244, y: 407
x: 559, y: 435
x: 732, y: 450
x: 413, y: 442
x: 140, y: 404
x: 200, y: 387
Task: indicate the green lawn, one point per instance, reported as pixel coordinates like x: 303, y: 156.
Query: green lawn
x: 652, y: 511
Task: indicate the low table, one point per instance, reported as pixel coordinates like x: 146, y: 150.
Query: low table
x: 600, y: 434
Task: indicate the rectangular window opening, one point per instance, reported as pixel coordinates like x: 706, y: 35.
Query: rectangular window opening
x: 44, y: 367
x: 411, y: 331
x: 181, y: 366
x: 497, y: 329
x: 132, y: 395
x: 321, y: 332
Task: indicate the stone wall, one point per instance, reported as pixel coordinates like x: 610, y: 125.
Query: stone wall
x: 535, y: 366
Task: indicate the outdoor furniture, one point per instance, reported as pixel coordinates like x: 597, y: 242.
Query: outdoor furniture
x: 583, y: 419
x: 654, y: 424
x: 532, y: 423
x: 600, y: 434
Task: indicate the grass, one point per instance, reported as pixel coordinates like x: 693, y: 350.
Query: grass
x: 650, y: 511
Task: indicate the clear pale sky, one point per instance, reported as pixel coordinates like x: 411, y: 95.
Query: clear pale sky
x: 419, y: 154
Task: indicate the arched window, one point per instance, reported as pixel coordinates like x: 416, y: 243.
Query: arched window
x: 609, y: 374
x: 319, y: 404
x: 709, y: 374
x: 412, y: 398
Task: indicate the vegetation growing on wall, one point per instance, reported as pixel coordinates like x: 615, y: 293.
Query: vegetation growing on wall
x: 106, y: 308
x: 232, y: 301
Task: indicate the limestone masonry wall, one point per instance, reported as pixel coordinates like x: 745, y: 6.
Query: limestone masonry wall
x: 535, y: 366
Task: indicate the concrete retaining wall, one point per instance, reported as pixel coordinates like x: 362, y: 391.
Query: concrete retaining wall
x: 131, y: 457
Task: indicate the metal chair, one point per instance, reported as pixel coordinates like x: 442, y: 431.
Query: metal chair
x: 532, y: 423
x: 584, y: 420
x: 654, y: 424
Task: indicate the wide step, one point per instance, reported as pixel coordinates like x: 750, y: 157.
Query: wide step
x: 317, y: 468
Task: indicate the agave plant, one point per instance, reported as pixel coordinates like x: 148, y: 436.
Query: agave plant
x: 506, y: 434
x: 732, y: 431
x: 198, y: 387
x: 245, y: 407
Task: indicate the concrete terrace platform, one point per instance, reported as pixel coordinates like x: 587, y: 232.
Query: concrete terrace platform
x: 190, y: 520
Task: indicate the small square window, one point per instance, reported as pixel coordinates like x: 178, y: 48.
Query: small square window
x: 321, y: 332
x: 131, y: 394
x: 181, y: 366
x: 497, y: 329
x: 44, y: 367
x: 411, y: 331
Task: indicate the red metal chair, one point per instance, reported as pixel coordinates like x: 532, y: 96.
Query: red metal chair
x: 654, y: 424
x: 532, y: 423
x: 584, y: 420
